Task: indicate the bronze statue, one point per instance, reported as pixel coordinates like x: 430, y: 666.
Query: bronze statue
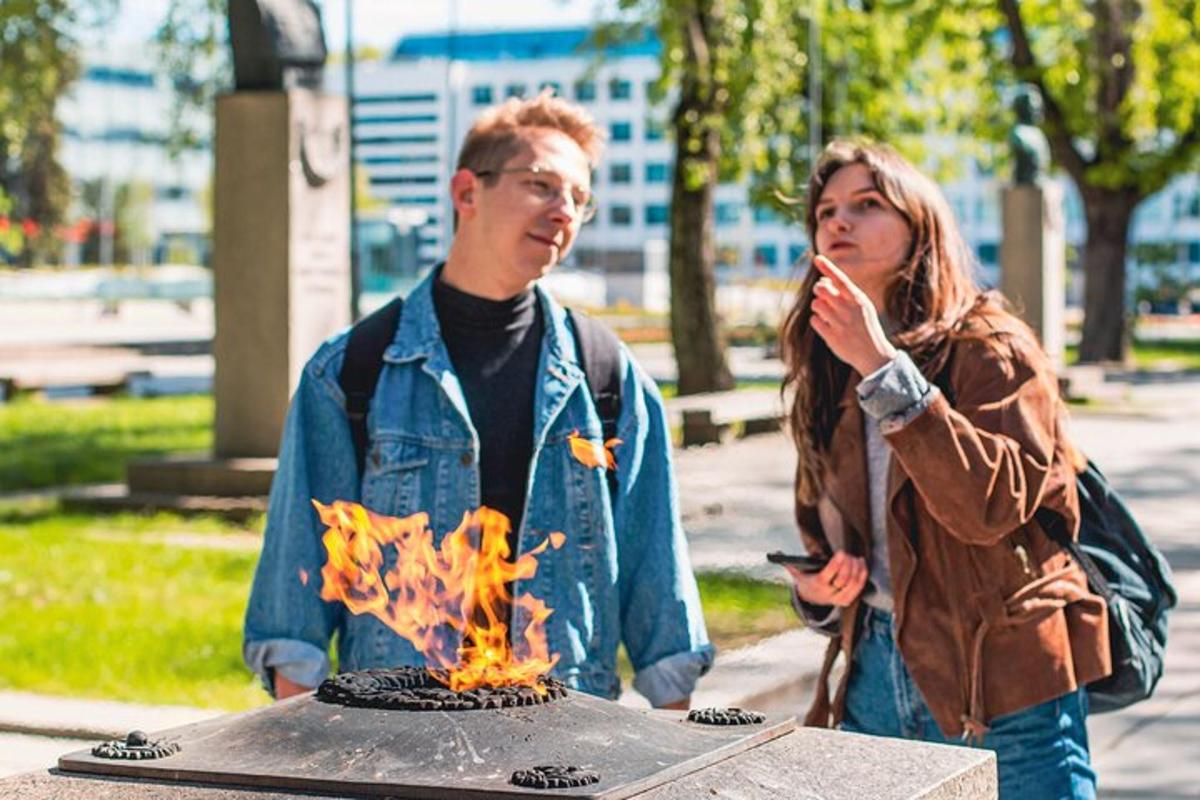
x: 1030, y: 150
x: 277, y: 44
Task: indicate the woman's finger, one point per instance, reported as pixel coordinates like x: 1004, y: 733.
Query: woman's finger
x: 830, y: 270
x: 825, y: 288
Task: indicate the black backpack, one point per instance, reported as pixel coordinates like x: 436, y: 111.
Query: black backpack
x: 598, y: 348
x: 1124, y: 568
x: 1129, y: 572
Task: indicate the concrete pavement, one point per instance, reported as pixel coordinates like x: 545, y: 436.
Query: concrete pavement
x: 736, y: 501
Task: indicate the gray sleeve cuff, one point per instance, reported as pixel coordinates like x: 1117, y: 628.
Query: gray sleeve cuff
x: 298, y: 661
x: 894, y: 389
x: 673, y: 678
x: 826, y: 620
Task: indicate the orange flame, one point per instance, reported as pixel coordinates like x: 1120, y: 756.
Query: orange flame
x: 592, y: 454
x: 452, y: 598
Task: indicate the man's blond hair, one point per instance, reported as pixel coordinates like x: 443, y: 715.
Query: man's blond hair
x: 499, y: 132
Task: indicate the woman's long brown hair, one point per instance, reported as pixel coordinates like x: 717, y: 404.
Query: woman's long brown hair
x: 931, y: 298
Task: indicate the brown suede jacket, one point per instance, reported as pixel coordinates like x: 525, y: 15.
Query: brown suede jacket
x: 991, y: 616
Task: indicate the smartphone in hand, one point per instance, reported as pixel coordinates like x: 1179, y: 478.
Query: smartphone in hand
x: 802, y: 563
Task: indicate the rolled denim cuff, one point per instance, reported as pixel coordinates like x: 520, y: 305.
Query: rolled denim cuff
x: 298, y: 661
x: 673, y: 678
x: 893, y: 389
x: 825, y: 620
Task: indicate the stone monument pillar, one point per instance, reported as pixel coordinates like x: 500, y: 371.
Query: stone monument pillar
x: 281, y: 255
x: 1033, y: 248
x: 1033, y: 261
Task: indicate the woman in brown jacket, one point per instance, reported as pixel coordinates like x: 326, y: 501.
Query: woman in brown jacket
x: 929, y: 429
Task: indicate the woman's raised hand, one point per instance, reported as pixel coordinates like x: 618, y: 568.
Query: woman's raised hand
x: 846, y: 319
x: 841, y: 580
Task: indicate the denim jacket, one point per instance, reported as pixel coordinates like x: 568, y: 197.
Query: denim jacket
x: 622, y: 575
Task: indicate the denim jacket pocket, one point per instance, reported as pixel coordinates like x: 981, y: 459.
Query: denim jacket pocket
x: 392, y: 478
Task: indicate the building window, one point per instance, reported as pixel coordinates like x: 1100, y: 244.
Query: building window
x: 621, y: 132
x: 766, y: 215
x: 655, y: 131
x: 515, y: 90
x: 620, y: 216
x: 656, y: 172
x: 656, y: 214
x: 481, y: 95
x: 554, y: 86
x: 988, y: 252
x: 585, y: 91
x: 402, y: 180
x: 1193, y: 252
x: 620, y: 89
x: 796, y: 252
x: 766, y: 255
x: 369, y: 99
x: 729, y: 213
x: 620, y: 173
x: 395, y: 119
x: 652, y: 91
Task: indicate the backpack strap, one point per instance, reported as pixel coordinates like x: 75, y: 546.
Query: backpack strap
x: 599, y: 352
x: 1055, y: 527
x: 361, y: 366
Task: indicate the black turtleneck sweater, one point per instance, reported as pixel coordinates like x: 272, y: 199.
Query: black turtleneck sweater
x: 495, y: 346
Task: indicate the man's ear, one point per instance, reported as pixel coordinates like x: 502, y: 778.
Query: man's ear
x: 464, y: 193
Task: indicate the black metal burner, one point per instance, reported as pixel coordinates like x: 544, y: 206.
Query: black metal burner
x: 554, y: 777
x: 136, y: 747
x: 725, y: 716
x: 415, y: 689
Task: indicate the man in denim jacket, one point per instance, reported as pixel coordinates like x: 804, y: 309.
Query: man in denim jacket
x: 439, y: 413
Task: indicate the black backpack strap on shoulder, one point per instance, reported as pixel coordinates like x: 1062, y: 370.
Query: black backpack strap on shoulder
x: 599, y: 352
x: 1055, y: 527
x: 361, y: 366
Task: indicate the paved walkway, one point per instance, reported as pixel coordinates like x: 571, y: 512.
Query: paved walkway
x: 736, y: 502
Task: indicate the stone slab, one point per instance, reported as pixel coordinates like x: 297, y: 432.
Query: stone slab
x: 805, y: 764
x: 215, y: 477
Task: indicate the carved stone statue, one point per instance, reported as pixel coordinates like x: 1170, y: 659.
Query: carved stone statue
x: 1030, y: 150
x: 277, y: 44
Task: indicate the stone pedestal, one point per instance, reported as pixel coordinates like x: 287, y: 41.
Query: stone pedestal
x: 1033, y: 261
x: 807, y: 762
x: 281, y: 263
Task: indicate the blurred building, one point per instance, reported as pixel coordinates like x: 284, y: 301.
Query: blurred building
x: 412, y: 109
x: 115, y: 127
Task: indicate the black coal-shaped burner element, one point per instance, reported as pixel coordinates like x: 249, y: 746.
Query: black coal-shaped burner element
x: 415, y: 689
x: 554, y: 777
x: 725, y: 716
x: 136, y: 747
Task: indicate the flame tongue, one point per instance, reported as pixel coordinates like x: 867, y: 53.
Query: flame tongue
x: 452, y: 601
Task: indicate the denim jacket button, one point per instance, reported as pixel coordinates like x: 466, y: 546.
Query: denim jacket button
x: 466, y: 459
x: 375, y: 458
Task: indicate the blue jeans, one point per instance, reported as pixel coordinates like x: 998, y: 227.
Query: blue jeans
x: 1041, y: 752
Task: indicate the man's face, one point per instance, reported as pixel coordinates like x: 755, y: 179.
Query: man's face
x: 529, y: 212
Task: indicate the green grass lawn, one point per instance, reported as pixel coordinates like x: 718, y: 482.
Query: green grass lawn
x: 149, y: 608
x: 89, y: 441
x: 1157, y: 354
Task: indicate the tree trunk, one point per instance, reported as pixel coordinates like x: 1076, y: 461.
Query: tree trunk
x: 1108, y: 214
x: 695, y: 328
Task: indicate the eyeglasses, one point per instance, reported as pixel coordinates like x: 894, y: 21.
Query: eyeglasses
x: 547, y: 186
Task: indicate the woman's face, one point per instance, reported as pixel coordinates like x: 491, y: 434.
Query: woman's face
x: 860, y: 231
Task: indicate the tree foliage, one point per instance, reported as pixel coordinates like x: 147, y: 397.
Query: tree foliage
x: 38, y: 62
x: 1120, y: 82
